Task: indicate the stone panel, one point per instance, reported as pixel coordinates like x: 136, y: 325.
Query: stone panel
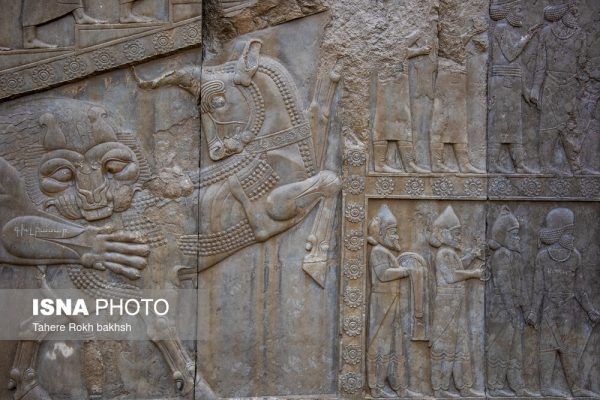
x: 339, y: 199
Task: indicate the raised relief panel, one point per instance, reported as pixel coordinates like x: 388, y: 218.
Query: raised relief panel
x: 387, y: 361
x: 363, y: 199
x: 50, y: 43
x: 426, y: 300
x: 541, y: 106
x: 264, y: 185
x: 78, y: 208
x: 541, y: 304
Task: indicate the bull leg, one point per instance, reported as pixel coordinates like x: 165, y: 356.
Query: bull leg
x: 286, y: 205
x: 179, y: 361
x: 23, y: 376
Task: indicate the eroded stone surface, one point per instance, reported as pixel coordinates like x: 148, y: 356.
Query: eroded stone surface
x: 368, y: 199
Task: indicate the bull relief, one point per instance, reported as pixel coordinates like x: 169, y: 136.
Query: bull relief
x: 340, y: 200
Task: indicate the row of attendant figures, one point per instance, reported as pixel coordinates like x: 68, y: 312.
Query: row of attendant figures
x: 561, y: 311
x: 429, y: 100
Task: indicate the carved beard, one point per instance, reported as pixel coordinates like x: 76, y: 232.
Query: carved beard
x: 570, y: 20
x: 514, y: 20
x: 567, y: 241
x: 392, y: 244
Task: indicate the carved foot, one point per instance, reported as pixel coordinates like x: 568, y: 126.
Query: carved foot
x: 470, y: 168
x: 82, y: 18
x: 38, y: 44
x: 413, y: 167
x: 4, y: 48
x: 470, y: 392
x: 523, y: 169
x: 588, y: 171
x: 378, y: 393
x: 527, y: 393
x: 438, y: 167
x: 550, y: 392
x: 501, y: 393
x: 132, y: 18
x: 579, y: 392
x: 445, y: 394
x: 386, y: 168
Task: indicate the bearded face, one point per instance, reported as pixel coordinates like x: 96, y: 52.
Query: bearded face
x: 515, y: 16
x: 452, y: 237
x: 391, y: 239
x: 513, y: 239
x: 571, y: 19
x: 567, y: 239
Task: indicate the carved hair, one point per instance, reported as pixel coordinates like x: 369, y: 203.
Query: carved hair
x: 500, y: 9
x: 498, y: 13
x: 380, y: 224
x: 505, y: 222
x: 556, y: 12
x: 558, y: 221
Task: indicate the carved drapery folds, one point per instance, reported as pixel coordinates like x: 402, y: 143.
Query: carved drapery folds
x: 366, y: 199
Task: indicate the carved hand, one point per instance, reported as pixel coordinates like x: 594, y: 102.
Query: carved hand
x: 478, y: 273
x: 534, y: 97
x: 531, y: 319
x: 475, y: 253
x: 120, y: 252
x: 535, y: 29
x: 594, y: 316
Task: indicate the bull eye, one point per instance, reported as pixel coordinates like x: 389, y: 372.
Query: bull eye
x: 218, y: 101
x: 115, y: 166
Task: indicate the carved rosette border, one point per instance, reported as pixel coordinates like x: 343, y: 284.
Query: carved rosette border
x: 482, y: 187
x: 115, y: 54
x: 353, y: 327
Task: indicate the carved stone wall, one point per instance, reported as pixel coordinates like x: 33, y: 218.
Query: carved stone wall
x: 340, y: 199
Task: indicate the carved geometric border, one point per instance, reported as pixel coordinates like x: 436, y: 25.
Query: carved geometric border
x: 114, y: 54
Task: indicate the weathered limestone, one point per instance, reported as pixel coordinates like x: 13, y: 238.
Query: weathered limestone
x: 366, y: 199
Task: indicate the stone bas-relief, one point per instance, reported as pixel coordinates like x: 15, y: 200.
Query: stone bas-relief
x: 540, y: 62
x: 549, y: 279
x: 426, y: 321
x: 370, y: 199
x: 85, y: 169
x: 386, y: 359
x: 524, y: 283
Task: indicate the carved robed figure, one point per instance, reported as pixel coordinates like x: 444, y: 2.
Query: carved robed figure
x: 450, y: 347
x: 561, y: 307
x: 506, y: 303
x: 386, y: 355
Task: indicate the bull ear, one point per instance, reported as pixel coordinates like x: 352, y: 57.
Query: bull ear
x: 247, y: 64
x: 54, y: 137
